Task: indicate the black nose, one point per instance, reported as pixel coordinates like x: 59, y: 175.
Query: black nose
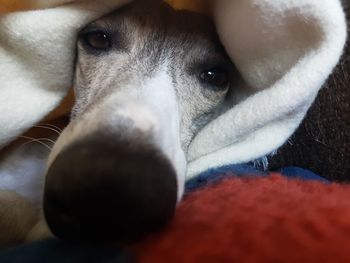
x: 103, y: 191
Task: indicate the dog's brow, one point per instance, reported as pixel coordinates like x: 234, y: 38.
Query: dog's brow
x: 100, y: 24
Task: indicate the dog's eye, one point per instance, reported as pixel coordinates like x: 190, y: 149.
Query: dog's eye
x: 217, y: 77
x: 97, y: 40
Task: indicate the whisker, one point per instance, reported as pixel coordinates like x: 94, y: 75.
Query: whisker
x: 49, y: 128
x: 37, y: 141
x: 52, y: 126
x: 47, y: 139
x: 41, y: 139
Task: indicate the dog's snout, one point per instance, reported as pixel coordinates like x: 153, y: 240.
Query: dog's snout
x: 102, y: 190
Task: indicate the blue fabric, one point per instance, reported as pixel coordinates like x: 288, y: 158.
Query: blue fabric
x: 217, y: 174
x: 296, y: 172
x: 55, y: 251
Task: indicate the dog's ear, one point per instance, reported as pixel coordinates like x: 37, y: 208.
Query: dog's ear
x: 284, y: 51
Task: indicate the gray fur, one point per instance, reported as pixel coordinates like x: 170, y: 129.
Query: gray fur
x: 183, y: 42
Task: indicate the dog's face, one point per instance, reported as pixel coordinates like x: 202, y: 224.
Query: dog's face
x: 148, y: 78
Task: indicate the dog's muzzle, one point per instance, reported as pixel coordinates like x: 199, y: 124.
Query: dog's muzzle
x: 115, y: 180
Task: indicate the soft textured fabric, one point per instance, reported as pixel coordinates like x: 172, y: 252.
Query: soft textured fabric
x: 215, y: 175
x: 257, y: 219
x: 284, y: 50
x: 36, y: 61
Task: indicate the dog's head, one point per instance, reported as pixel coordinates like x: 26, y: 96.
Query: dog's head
x: 148, y: 78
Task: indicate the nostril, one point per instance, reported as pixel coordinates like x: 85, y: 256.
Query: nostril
x: 105, y: 192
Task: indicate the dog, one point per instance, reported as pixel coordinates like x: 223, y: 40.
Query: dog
x: 148, y: 78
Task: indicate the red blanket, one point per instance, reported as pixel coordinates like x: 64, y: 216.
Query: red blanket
x: 260, y: 219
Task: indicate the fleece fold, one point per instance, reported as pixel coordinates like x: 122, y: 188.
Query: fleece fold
x: 284, y: 50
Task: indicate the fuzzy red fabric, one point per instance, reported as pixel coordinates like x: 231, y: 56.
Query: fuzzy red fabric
x: 266, y: 219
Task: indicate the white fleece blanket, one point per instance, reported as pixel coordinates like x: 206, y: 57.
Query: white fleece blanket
x: 284, y: 50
